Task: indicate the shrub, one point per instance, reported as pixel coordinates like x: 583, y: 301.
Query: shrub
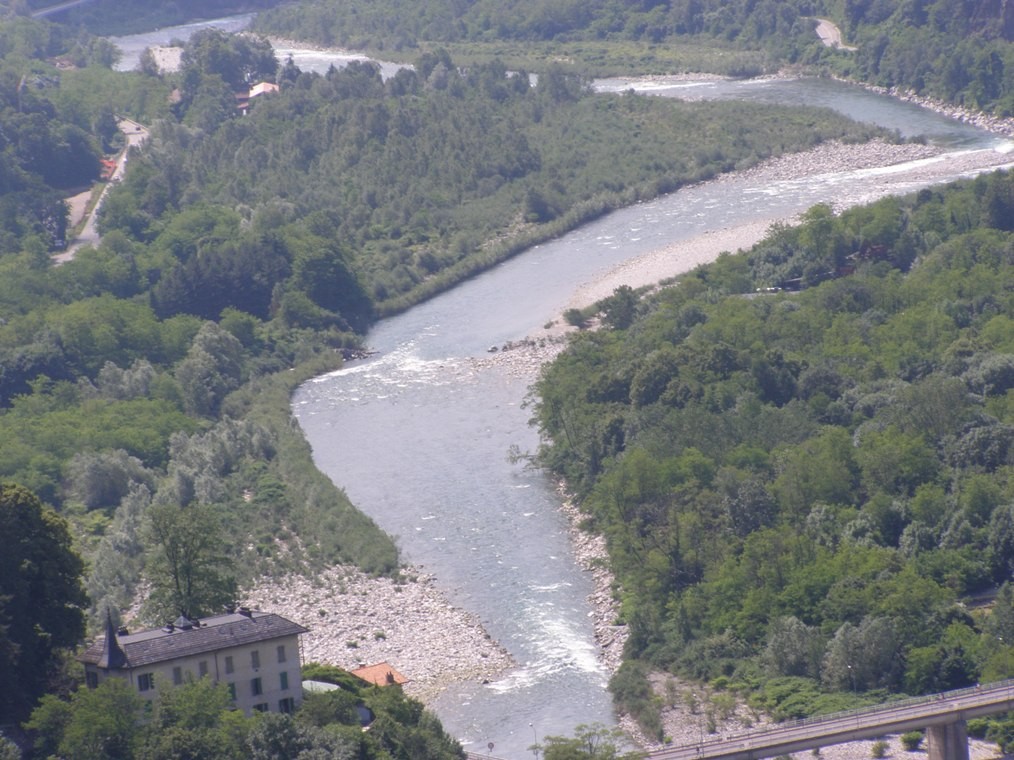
x: 911, y: 740
x: 978, y: 727
x: 879, y: 749
x: 574, y: 318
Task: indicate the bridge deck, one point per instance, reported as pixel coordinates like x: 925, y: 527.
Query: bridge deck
x: 854, y: 725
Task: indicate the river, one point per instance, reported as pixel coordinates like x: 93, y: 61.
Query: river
x: 418, y: 436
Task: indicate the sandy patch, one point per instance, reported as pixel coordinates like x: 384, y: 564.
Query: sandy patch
x: 78, y: 205
x: 671, y: 260
x: 167, y: 58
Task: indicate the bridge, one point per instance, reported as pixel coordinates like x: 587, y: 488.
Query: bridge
x: 943, y: 717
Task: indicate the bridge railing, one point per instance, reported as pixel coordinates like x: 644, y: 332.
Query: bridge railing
x: 893, y: 705
x: 867, y: 710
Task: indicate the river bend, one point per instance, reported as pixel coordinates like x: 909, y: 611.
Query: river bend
x: 418, y: 436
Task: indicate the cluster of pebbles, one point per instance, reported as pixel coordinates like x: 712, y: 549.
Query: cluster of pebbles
x: 355, y: 620
x: 832, y: 157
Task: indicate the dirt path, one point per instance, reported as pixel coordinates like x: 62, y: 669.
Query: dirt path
x: 89, y: 235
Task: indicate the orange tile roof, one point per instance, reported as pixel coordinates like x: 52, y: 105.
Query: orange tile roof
x: 380, y: 674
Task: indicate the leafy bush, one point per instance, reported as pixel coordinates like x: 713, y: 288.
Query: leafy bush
x: 911, y: 740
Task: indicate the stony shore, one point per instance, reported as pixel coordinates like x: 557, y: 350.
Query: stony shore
x: 357, y: 620
x: 996, y: 124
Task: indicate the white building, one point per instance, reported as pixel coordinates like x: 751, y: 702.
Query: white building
x: 256, y: 654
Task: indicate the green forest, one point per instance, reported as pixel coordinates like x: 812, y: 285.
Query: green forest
x: 959, y: 51
x: 414, y: 183
x: 802, y: 489
x: 145, y: 385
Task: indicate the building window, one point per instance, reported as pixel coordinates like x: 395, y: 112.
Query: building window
x: 145, y: 681
x: 255, y: 659
x: 232, y: 691
x: 256, y: 688
x: 228, y: 664
x: 261, y: 707
x: 177, y: 676
x: 202, y: 668
x: 91, y: 679
x: 281, y: 652
x: 286, y: 705
x: 283, y: 678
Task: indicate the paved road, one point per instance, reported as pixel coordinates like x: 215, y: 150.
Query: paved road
x: 89, y: 235
x: 868, y: 723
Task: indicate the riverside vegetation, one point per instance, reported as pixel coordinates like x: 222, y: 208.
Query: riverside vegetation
x: 145, y: 383
x: 239, y: 247
x: 958, y: 51
x: 802, y: 491
x: 149, y: 376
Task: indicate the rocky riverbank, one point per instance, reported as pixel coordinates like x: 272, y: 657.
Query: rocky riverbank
x: 357, y: 620
x: 996, y: 124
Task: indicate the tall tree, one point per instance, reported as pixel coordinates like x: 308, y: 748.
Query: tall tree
x: 595, y: 742
x: 41, y: 598
x: 189, y: 573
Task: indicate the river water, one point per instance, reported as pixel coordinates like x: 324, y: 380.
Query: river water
x: 419, y: 437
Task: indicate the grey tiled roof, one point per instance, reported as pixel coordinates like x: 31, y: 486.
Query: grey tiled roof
x: 213, y: 634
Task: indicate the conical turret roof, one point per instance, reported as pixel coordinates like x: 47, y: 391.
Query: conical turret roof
x: 112, y: 657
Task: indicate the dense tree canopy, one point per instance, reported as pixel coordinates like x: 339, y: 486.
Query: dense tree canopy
x: 347, y: 191
x: 188, y: 571
x: 41, y: 599
x: 958, y: 51
x: 802, y: 484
